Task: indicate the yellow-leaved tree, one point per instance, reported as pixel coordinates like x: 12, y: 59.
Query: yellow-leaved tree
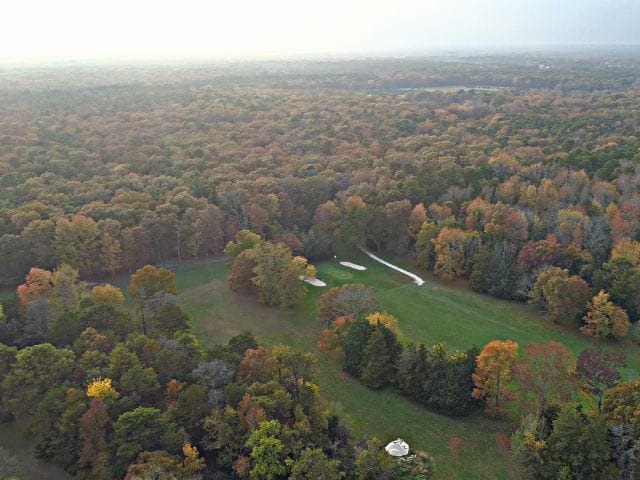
x: 604, y: 319
x: 102, y: 389
x: 106, y: 293
x: 192, y: 461
x: 385, y: 319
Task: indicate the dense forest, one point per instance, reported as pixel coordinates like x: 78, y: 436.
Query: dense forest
x: 518, y: 176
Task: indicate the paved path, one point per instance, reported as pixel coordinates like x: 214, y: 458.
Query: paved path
x: 416, y: 279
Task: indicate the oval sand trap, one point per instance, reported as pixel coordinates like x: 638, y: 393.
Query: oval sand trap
x: 313, y: 281
x: 353, y: 265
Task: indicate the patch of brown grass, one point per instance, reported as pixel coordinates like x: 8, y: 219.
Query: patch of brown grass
x: 454, y: 444
x: 503, y: 441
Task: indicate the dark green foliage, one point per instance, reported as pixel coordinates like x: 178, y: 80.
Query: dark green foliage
x: 242, y: 342
x: 168, y: 320
x: 144, y: 429
x: 621, y: 279
x: 223, y: 435
x: 574, y: 446
x: 440, y: 381
x: 56, y: 426
x: 412, y: 371
x: 496, y: 271
x: 36, y: 370
x: 318, y: 245
x: 353, y: 346
x: 379, y: 358
x: 313, y: 464
x: 373, y: 463
x: 191, y: 409
x: 107, y: 318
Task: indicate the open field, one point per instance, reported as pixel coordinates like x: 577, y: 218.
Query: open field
x: 470, y: 448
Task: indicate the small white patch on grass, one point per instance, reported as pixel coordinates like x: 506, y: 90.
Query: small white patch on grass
x: 355, y: 266
x: 313, y: 281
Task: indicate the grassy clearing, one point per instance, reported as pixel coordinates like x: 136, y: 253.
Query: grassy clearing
x: 16, y: 443
x: 470, y: 448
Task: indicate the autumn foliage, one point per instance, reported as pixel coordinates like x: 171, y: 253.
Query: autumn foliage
x: 494, y: 370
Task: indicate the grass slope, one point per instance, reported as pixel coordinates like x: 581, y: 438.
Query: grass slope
x: 469, y: 448
x: 18, y: 449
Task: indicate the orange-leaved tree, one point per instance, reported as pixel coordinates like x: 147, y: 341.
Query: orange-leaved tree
x: 494, y: 369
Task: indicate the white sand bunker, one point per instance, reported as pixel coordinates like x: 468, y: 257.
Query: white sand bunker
x: 416, y: 279
x: 397, y: 448
x: 313, y: 281
x: 353, y: 265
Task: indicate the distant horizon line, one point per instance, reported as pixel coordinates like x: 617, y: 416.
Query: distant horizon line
x: 120, y: 58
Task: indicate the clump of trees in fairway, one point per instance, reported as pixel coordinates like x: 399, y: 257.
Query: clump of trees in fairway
x: 267, y: 268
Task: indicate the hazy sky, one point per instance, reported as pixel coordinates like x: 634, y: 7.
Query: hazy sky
x: 128, y: 28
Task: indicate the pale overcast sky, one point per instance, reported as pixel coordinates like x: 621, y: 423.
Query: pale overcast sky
x: 76, y: 29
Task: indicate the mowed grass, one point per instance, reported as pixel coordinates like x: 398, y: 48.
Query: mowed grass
x: 16, y: 443
x: 466, y: 448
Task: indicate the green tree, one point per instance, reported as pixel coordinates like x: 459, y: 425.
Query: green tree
x: 313, y: 464
x: 374, y: 463
x: 576, y: 447
x: 380, y: 357
x: 56, y: 426
x: 425, y: 250
x: 36, y: 370
x: 77, y: 242
x: 622, y: 280
x: 563, y: 296
x: 277, y: 275
x: 223, y: 435
x: 245, y: 240
x: 144, y: 429
x: 266, y: 451
x: 145, y: 283
x: 66, y: 292
x: 353, y: 345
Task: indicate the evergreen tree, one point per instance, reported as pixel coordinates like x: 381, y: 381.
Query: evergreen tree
x: 353, y: 345
x: 380, y: 358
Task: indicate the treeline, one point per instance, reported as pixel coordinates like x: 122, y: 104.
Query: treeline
x: 573, y: 418
x: 106, y: 394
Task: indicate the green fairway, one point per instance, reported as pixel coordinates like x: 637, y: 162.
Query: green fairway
x: 468, y: 448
